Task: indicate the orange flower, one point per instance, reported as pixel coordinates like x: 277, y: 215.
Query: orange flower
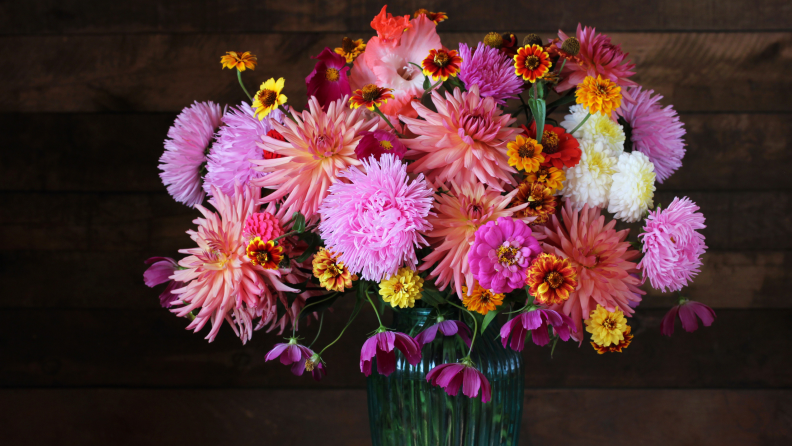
x: 441, y: 64
x: 370, y: 96
x: 332, y: 274
x: 436, y: 17
x: 551, y: 279
x: 548, y: 176
x: 525, y: 154
x: 599, y: 95
x: 240, y: 61
x: 481, y: 300
x: 541, y: 202
x: 390, y: 27
x: 624, y: 343
x: 531, y: 62
x: 351, y: 49
x: 264, y: 253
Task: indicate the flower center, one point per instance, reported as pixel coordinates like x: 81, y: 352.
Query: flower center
x: 549, y: 142
x: 267, y: 97
x: 348, y: 45
x: 493, y: 40
x: 333, y: 270
x: 261, y: 257
x: 370, y: 92
x: 554, y: 279
x: 526, y: 150
x: 441, y: 59
x: 532, y: 62
x: 331, y: 74
x: 507, y: 255
x: 407, y: 72
x: 386, y: 145
x: 397, y: 288
x: 608, y: 323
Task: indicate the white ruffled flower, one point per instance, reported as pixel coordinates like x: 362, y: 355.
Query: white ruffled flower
x: 589, y: 182
x: 632, y: 191
x: 598, y: 127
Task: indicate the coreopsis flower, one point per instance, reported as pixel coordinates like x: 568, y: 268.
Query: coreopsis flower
x: 263, y: 225
x: 536, y: 322
x: 378, y: 143
x: 539, y: 202
x: 370, y: 96
x: 589, y: 182
x: 606, y: 327
x: 350, y: 49
x: 633, y: 187
x: 376, y: 218
x: 264, y: 253
x: 656, y: 131
x: 531, y: 63
x: 460, y: 374
x: 446, y: 328
x: 436, y: 17
x: 596, y: 56
x: 615, y: 348
x: 239, y: 60
x: 501, y: 253
x: 551, y: 279
x: 672, y: 245
x: 559, y: 148
x: 480, y: 299
x: 687, y: 311
x: 464, y: 141
x: 441, y: 64
x: 333, y: 275
x: 598, y: 128
x: 549, y: 177
x: 599, y: 95
x: 328, y: 81
x: 160, y: 271
x: 291, y: 353
x: 525, y: 154
x: 269, y: 97
x: 388, y: 27
x: 402, y: 289
x: 185, y: 151
x: 491, y: 70
x: 383, y: 345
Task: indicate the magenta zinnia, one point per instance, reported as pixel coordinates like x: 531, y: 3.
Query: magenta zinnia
x: 597, y: 56
x: 501, y: 253
x: 491, y: 70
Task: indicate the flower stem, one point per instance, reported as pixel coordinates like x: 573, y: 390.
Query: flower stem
x: 352, y: 317
x: 431, y: 89
x: 475, y: 326
x: 299, y: 315
x: 290, y: 233
x: 319, y: 331
x: 382, y: 115
x: 580, y: 125
x: 562, y: 68
x: 239, y: 76
x: 374, y: 307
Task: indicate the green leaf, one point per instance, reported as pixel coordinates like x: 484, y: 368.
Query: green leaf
x: 299, y: 222
x: 563, y: 100
x: 431, y: 295
x: 539, y: 111
x: 489, y: 317
x: 313, y: 241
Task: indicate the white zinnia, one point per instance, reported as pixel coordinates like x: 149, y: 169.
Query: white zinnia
x: 598, y: 127
x: 633, y: 187
x: 589, y: 182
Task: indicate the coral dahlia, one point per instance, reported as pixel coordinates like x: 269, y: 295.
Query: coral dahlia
x: 597, y: 57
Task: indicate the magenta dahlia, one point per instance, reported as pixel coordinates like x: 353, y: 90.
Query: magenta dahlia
x: 491, y: 70
x: 501, y: 253
x: 598, y: 56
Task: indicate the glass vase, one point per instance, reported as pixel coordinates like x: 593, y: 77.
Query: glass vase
x: 405, y: 410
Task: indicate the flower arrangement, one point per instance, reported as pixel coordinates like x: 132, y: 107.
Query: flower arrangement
x: 407, y: 183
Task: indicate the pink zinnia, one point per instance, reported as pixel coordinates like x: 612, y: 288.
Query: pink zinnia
x: 598, y: 56
x: 229, y: 160
x: 672, y: 245
x: 464, y: 141
x: 375, y: 218
x: 446, y: 328
x: 455, y: 375
x: 264, y: 225
x: 687, y: 310
x: 491, y: 70
x: 379, y: 142
x: 501, y: 253
x: 160, y: 271
x: 656, y: 131
x: 185, y: 151
x: 536, y: 322
x: 328, y: 81
x: 383, y: 345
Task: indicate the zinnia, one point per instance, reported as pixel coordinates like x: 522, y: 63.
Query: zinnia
x: 328, y: 81
x: 606, y: 327
x: 402, y: 289
x: 535, y: 322
x: 551, y: 279
x: 491, y: 70
x: 687, y: 310
x: 597, y: 56
x: 559, y: 148
x: 383, y: 345
x: 455, y: 375
x: 501, y: 253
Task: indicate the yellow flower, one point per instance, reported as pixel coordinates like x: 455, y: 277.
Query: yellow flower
x: 606, y: 328
x: 481, y: 300
x: 403, y: 289
x: 351, y: 49
x: 615, y: 347
x: 549, y: 176
x: 525, y: 154
x: 332, y: 274
x: 599, y: 95
x: 269, y: 97
x: 240, y: 61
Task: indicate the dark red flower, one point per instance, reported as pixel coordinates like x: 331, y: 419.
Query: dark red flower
x: 559, y: 148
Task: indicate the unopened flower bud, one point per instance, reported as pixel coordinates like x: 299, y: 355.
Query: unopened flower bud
x: 493, y: 40
x: 571, y: 46
x: 532, y: 39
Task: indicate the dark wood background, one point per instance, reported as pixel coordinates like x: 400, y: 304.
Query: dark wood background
x: 87, y: 92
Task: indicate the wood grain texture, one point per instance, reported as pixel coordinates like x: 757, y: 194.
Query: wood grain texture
x: 723, y: 72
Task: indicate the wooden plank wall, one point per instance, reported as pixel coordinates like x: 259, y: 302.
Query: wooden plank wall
x: 87, y: 91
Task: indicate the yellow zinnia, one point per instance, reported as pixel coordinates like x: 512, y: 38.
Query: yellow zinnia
x: 606, y: 327
x: 269, y: 97
x: 402, y: 289
x: 351, y: 49
x: 598, y: 95
x: 525, y: 154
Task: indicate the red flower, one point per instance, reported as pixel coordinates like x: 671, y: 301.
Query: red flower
x: 559, y: 147
x: 441, y: 64
x: 272, y: 155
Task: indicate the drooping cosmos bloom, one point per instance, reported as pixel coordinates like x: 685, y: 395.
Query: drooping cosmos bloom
x: 291, y: 353
x: 687, y: 310
x: 159, y: 271
x: 383, y: 345
x: 597, y: 57
x: 455, y: 375
x: 501, y: 253
x: 536, y: 322
x: 328, y: 81
x: 446, y: 328
x: 491, y: 70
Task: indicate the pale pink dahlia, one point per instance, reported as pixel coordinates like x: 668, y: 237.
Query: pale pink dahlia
x: 229, y: 160
x: 672, y: 245
x: 318, y: 145
x: 598, y: 56
x: 602, y: 258
x: 464, y: 141
x: 656, y: 131
x: 491, y: 70
x: 185, y: 151
x: 375, y: 218
x: 502, y: 251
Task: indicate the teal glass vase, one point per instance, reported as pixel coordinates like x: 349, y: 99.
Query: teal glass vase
x: 405, y: 410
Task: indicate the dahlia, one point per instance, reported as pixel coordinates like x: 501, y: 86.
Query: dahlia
x: 402, y: 289
x: 446, y: 328
x: 333, y: 275
x: 328, y: 81
x: 382, y: 345
x: 160, y: 271
x: 455, y: 375
x: 672, y: 245
x: 551, y: 279
x: 480, y: 299
x: 185, y: 151
x: 501, y: 253
x: 597, y: 57
x: 687, y: 311
x: 559, y: 148
x: 589, y: 182
x: 539, y: 200
x: 606, y: 327
x: 379, y: 142
x: 598, y: 95
x: 229, y: 160
x: 601, y: 257
x: 598, y: 127
x: 535, y: 321
x: 464, y: 141
x: 656, y: 131
x: 633, y: 187
x: 375, y: 219
x: 491, y: 70
x: 320, y: 144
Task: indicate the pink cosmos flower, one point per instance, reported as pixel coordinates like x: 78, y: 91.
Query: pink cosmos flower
x: 159, y: 272
x: 264, y: 225
x: 291, y: 353
x: 328, y: 81
x: 185, y: 151
x: 382, y: 345
x: 491, y: 70
x: 447, y: 328
x: 375, y: 219
x: 501, y: 253
x: 656, y: 131
x: 451, y: 376
x: 464, y: 141
x: 687, y: 310
x: 598, y: 56
x: 536, y: 322
x: 672, y: 245
x: 379, y: 142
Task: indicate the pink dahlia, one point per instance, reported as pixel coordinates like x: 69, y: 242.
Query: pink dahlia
x: 687, y: 310
x: 455, y: 375
x: 502, y: 251
x: 491, y: 70
x: 656, y: 131
x: 328, y: 81
x: 446, y: 328
x: 264, y: 225
x: 229, y: 160
x: 602, y: 258
x: 535, y: 322
x: 464, y: 141
x: 160, y: 271
x: 383, y: 345
x: 379, y: 142
x: 598, y: 56
x: 375, y: 218
x: 672, y: 245
x: 318, y: 146
x: 185, y: 151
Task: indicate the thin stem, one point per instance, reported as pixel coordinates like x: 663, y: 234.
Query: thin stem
x: 299, y: 315
x: 381, y: 115
x: 349, y: 322
x: 374, y: 307
x: 475, y: 325
x: 321, y: 319
x: 290, y: 233
x: 239, y: 76
x: 431, y: 89
x: 580, y: 125
x: 562, y: 67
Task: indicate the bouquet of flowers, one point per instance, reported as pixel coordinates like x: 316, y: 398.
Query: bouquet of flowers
x: 406, y: 182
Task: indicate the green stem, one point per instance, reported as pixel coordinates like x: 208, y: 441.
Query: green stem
x: 374, y: 307
x: 580, y: 125
x: 562, y: 68
x: 299, y: 315
x: 475, y: 325
x: 349, y: 322
x: 430, y: 89
x: 290, y: 233
x: 239, y: 76
x: 381, y: 115
x: 321, y: 319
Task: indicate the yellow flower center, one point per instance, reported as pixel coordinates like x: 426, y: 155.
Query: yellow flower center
x: 532, y: 62
x: 370, y: 92
x: 267, y: 98
x: 554, y: 279
x: 493, y: 40
x: 386, y: 145
x: 348, y: 45
x: 507, y: 254
x: 549, y: 142
x: 441, y: 59
x: 331, y: 74
x: 309, y: 365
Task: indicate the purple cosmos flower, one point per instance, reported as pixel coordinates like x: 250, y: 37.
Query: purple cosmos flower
x: 291, y: 353
x: 382, y: 346
x: 328, y: 81
x: 447, y: 328
x: 491, y: 70
x: 501, y: 253
x: 688, y: 310
x: 536, y: 321
x: 377, y: 143
x: 451, y: 376
x: 159, y: 272
x: 315, y: 365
